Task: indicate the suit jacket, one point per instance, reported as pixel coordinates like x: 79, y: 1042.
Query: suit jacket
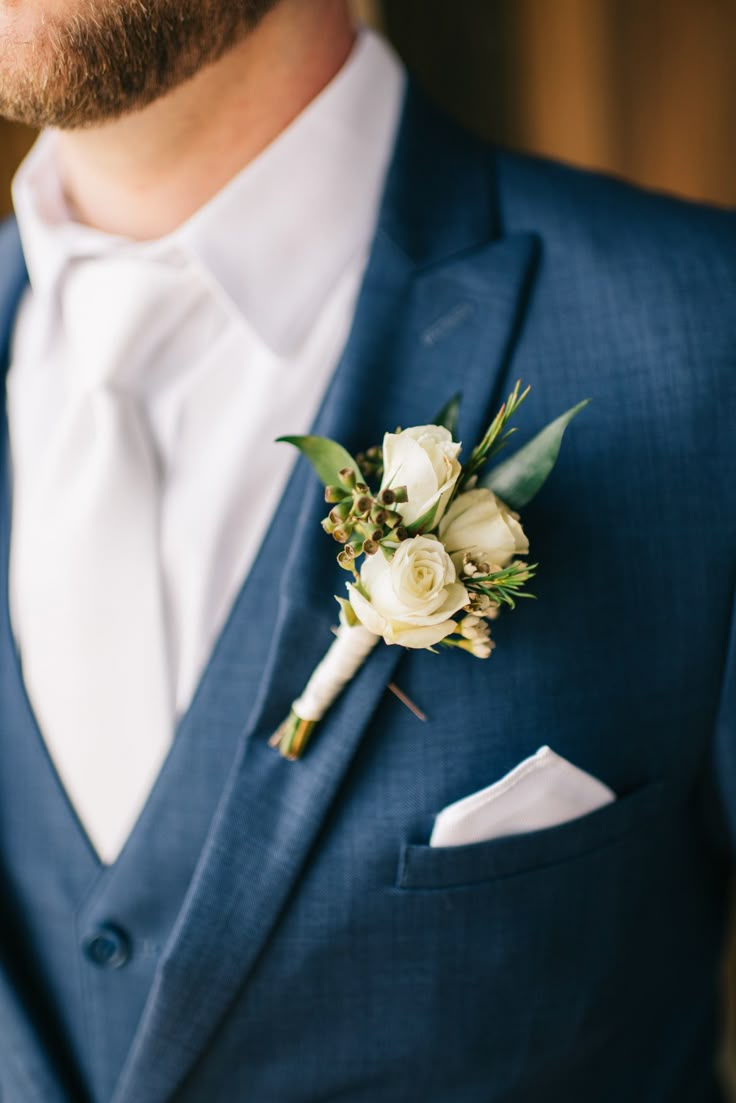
x: 324, y: 950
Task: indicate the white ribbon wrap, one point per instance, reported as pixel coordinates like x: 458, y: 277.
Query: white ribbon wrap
x: 342, y: 662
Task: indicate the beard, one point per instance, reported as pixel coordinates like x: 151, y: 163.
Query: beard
x: 110, y: 57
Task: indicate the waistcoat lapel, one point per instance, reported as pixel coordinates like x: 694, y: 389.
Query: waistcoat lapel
x: 25, y: 1052
x: 13, y: 280
x: 441, y: 303
x: 26, y: 1048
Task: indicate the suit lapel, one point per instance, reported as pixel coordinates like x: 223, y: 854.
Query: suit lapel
x: 438, y: 311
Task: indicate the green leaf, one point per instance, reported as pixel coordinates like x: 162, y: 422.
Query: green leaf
x: 327, y: 457
x: 518, y: 479
x: 423, y: 523
x: 449, y: 414
x: 348, y: 612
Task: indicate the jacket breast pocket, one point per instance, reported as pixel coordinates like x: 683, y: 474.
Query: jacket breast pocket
x: 426, y: 867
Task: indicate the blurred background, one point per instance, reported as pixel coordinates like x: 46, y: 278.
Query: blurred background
x: 645, y: 89
x: 642, y: 88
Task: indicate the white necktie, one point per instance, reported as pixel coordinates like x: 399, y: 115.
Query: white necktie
x: 87, y: 576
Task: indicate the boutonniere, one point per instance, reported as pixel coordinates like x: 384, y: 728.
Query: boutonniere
x: 435, y: 548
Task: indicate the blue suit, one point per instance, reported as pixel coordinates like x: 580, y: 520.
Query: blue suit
x: 296, y: 940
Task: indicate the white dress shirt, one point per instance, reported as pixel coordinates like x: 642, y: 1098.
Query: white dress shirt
x: 264, y: 282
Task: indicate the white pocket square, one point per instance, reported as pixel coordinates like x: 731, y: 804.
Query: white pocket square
x: 542, y: 791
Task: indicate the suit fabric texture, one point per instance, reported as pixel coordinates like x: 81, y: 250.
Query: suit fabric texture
x: 297, y: 940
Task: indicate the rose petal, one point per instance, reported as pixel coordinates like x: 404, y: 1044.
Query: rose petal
x: 480, y: 523
x: 407, y: 464
x: 426, y: 636
x: 368, y: 616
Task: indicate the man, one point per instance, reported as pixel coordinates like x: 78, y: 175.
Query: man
x: 243, y: 222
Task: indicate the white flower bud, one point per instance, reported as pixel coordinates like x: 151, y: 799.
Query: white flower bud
x: 479, y: 528
x: 423, y: 460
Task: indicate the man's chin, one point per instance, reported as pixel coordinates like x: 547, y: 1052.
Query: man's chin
x: 21, y: 21
x: 25, y: 58
x: 80, y: 63
x: 26, y: 83
x: 49, y: 71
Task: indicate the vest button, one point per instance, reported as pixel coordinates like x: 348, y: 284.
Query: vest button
x: 108, y: 946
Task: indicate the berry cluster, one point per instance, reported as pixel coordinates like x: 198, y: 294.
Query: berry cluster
x: 361, y: 521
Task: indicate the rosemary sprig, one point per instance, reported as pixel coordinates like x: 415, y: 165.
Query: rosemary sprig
x: 503, y: 586
x: 496, y: 435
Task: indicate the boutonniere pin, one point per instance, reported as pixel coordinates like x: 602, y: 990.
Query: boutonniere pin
x: 434, y: 546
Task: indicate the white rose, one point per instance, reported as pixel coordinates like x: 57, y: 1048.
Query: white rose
x: 480, y: 523
x: 411, y: 598
x: 424, y: 460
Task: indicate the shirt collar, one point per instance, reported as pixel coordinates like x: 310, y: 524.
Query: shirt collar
x: 275, y: 239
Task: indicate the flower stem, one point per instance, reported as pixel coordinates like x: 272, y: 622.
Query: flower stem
x: 349, y: 650
x: 292, y: 737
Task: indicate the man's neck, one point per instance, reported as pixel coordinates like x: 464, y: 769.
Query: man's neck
x: 144, y: 174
